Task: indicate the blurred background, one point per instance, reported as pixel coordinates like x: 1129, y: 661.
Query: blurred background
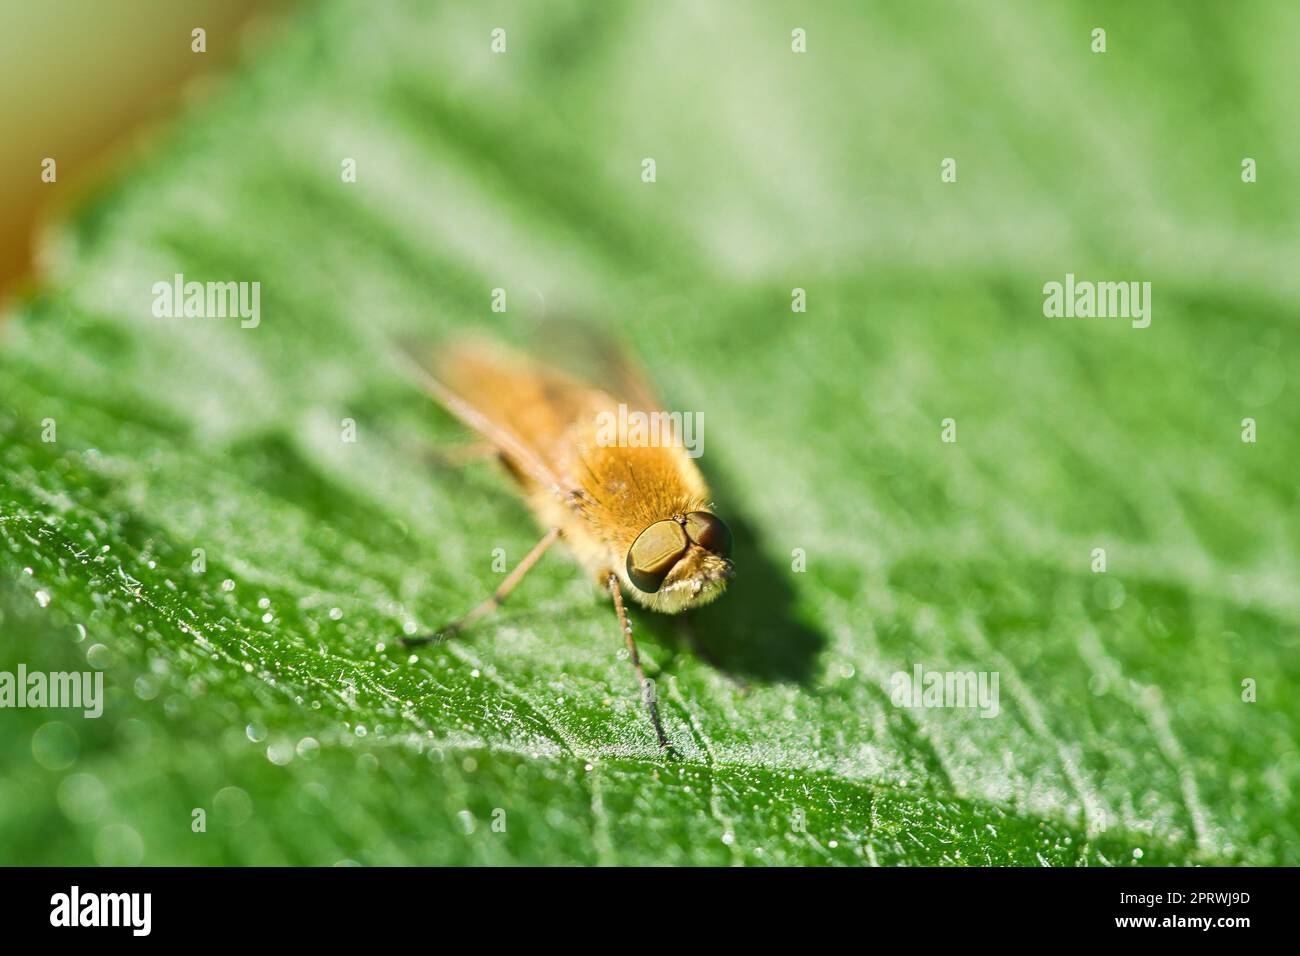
x: 182, y: 510
x: 82, y: 81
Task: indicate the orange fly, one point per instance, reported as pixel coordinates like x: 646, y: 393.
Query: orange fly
x: 636, y: 515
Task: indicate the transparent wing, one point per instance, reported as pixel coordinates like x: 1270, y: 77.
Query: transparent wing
x: 486, y: 394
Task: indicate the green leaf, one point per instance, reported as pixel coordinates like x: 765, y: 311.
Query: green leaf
x: 267, y: 689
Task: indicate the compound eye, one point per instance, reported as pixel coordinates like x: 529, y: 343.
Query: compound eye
x: 654, y: 553
x: 708, y: 531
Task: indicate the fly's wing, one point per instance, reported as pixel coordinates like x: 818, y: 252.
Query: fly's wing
x: 540, y: 412
x: 591, y: 355
x: 522, y: 407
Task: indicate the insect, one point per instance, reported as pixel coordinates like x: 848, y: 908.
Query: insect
x: 636, y: 515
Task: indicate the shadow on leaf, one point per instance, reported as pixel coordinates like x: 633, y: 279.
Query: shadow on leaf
x: 751, y: 633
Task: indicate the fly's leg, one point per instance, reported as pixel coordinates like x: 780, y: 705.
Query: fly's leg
x: 491, y: 604
x: 650, y: 703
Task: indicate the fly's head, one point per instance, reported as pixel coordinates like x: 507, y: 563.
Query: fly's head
x: 680, y: 562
